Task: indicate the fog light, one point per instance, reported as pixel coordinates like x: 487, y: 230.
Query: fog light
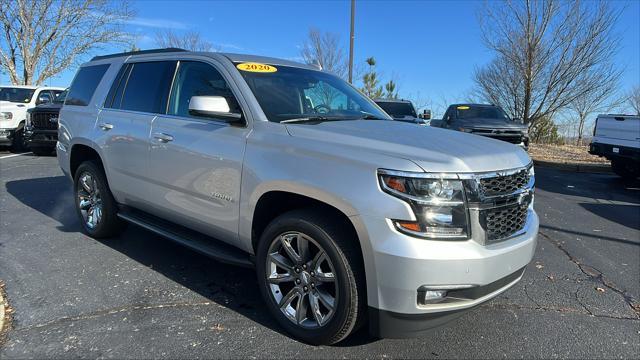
x: 428, y: 296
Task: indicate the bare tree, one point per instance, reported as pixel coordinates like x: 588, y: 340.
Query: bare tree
x: 41, y: 38
x: 549, y: 53
x: 190, y: 40
x: 325, y: 50
x: 633, y: 99
x: 599, y: 99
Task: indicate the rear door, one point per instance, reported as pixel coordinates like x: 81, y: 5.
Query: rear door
x: 137, y: 95
x: 195, y: 163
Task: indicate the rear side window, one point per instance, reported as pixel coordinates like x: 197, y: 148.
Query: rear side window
x: 146, y: 88
x: 85, y: 84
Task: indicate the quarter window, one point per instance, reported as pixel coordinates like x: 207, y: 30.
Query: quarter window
x: 198, y: 79
x: 85, y: 84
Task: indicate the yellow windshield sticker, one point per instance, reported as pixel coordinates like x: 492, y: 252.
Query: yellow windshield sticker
x: 463, y: 108
x: 256, y: 67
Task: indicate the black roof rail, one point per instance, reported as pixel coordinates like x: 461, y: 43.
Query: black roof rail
x: 140, y: 52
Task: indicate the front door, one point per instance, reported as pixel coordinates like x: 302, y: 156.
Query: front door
x: 195, y: 163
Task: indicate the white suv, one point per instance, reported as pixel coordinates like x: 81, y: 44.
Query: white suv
x: 346, y: 215
x: 15, y: 100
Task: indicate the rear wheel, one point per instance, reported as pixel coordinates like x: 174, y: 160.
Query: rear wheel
x: 627, y: 169
x: 96, y: 207
x: 310, y: 274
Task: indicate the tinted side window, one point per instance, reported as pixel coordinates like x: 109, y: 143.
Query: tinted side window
x: 84, y: 84
x: 148, y: 85
x: 114, y: 97
x: 198, y: 79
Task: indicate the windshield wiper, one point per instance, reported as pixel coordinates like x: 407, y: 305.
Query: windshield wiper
x: 369, y: 116
x: 310, y: 119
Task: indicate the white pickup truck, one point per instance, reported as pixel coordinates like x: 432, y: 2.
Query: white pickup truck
x: 15, y: 100
x: 617, y: 137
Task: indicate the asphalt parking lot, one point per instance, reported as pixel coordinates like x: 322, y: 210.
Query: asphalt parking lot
x: 142, y: 296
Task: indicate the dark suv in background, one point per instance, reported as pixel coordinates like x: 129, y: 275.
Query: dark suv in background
x: 41, y: 129
x: 485, y: 120
x: 401, y: 110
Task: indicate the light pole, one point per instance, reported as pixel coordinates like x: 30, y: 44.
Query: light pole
x: 353, y: 13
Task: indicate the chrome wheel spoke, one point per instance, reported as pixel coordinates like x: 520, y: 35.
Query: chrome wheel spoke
x: 325, y: 277
x: 301, y: 309
x: 288, y: 248
x: 303, y: 248
x: 287, y: 299
x: 315, y: 308
x: 326, y: 299
x: 86, y: 183
x: 281, y: 261
x: 85, y: 204
x: 276, y: 278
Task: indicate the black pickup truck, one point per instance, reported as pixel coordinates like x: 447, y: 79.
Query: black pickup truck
x: 485, y: 120
x: 41, y: 129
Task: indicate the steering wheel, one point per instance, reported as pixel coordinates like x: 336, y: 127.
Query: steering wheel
x: 322, y: 109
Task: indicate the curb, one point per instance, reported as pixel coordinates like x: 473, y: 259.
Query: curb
x: 4, y: 315
x: 581, y: 168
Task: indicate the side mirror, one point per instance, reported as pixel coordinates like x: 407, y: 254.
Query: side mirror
x: 426, y: 114
x: 43, y: 99
x: 212, y: 106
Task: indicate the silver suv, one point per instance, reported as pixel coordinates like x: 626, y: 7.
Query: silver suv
x: 348, y: 217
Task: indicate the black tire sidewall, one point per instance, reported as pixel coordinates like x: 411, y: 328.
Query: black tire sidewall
x: 344, y: 276
x: 110, y: 224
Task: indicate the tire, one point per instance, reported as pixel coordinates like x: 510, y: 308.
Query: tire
x: 321, y: 233
x: 18, y: 143
x: 627, y: 169
x: 42, y: 151
x: 100, y: 219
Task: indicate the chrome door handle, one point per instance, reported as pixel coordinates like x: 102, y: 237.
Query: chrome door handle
x: 162, y: 137
x: 106, y: 126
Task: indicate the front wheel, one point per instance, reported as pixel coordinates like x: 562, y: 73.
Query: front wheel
x: 310, y: 274
x: 96, y: 207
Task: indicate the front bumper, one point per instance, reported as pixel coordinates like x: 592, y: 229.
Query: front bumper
x: 41, y: 138
x: 6, y: 136
x: 402, y: 264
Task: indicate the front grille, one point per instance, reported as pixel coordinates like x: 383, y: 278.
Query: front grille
x: 509, y: 139
x: 504, y: 184
x: 504, y: 222
x: 42, y: 120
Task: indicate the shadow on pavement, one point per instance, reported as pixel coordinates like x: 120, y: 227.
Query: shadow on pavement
x: 625, y: 215
x: 233, y: 287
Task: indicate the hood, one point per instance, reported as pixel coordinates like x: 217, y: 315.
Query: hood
x: 433, y: 149
x: 490, y: 124
x: 8, y: 106
x: 47, y: 107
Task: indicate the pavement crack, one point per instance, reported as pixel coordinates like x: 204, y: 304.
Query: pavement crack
x: 564, y: 310
x: 596, y: 275
x: 112, y: 311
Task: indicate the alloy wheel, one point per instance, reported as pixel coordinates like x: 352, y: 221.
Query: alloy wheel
x: 302, y: 280
x: 89, y: 200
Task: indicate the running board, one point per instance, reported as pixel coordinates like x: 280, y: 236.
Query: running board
x: 194, y: 240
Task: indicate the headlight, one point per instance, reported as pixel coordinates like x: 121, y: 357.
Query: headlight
x: 7, y: 115
x: 438, y: 203
x: 27, y: 122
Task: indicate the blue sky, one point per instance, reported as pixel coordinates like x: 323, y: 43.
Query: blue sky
x: 429, y: 47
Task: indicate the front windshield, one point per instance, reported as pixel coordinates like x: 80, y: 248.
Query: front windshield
x: 59, y: 99
x: 294, y: 93
x: 398, y: 109
x: 480, y: 112
x: 17, y: 95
